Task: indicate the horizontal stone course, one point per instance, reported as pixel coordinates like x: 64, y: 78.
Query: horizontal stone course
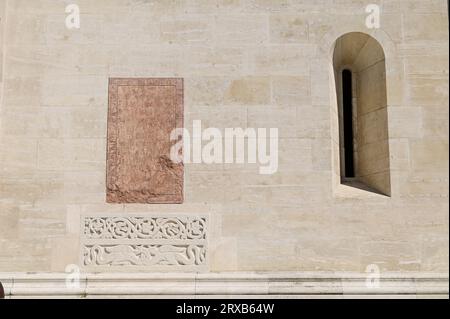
x: 244, y: 284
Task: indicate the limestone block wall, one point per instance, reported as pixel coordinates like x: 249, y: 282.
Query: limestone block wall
x: 245, y: 63
x: 2, y: 23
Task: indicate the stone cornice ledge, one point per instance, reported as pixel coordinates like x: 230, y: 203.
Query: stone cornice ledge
x: 207, y: 285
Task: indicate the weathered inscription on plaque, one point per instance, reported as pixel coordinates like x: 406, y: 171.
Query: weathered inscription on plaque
x: 142, y: 114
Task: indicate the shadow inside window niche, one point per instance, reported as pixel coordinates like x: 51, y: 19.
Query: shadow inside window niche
x: 2, y: 291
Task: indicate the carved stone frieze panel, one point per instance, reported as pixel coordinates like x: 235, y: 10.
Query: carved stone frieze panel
x: 145, y: 227
x: 144, y: 241
x: 144, y: 255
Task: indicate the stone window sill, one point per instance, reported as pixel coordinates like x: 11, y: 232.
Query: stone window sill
x: 352, y: 188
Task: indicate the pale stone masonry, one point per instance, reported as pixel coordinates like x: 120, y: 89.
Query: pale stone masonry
x: 245, y: 63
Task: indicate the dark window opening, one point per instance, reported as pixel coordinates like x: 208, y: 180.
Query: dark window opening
x: 348, y: 123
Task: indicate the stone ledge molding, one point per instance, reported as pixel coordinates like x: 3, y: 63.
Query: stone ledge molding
x: 212, y: 285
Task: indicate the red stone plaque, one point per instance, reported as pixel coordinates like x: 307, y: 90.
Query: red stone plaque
x: 142, y: 114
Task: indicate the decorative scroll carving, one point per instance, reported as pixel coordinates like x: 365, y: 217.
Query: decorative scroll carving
x: 144, y: 241
x: 145, y: 228
x: 144, y: 255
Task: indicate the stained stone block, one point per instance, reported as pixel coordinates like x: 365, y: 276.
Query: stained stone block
x: 288, y: 29
x: 142, y: 115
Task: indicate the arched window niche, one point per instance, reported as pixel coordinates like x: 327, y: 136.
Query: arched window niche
x: 360, y: 133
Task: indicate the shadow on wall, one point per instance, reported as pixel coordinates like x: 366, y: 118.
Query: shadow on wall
x: 361, y: 141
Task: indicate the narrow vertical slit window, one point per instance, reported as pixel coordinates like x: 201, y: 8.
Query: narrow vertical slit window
x: 360, y: 134
x: 347, y: 96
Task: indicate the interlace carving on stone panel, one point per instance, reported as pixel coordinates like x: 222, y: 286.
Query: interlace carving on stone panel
x: 146, y: 241
x: 145, y: 228
x: 144, y: 255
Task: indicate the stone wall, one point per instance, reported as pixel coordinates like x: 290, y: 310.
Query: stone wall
x: 245, y: 63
